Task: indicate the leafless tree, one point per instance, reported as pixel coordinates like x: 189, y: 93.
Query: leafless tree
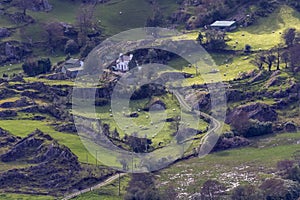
x: 286, y: 58
x: 23, y: 5
x: 269, y: 58
x: 85, y: 22
x: 55, y: 33
x: 258, y: 61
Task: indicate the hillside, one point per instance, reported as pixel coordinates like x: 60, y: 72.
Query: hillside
x: 63, y: 132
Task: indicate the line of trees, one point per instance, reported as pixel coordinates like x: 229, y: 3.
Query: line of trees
x: 285, y: 54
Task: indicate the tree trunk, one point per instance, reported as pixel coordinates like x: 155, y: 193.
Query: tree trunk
x: 270, y: 67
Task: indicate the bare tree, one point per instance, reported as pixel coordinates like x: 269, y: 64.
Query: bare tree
x: 85, y: 22
x: 23, y: 5
x: 55, y: 33
x: 277, y: 49
x: 258, y: 61
x: 285, y: 58
x: 269, y: 58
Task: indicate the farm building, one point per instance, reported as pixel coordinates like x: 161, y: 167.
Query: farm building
x: 224, y: 25
x: 72, y: 67
x: 122, y: 63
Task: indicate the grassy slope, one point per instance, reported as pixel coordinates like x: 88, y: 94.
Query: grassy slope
x: 23, y: 127
x: 232, y: 166
x: 160, y: 134
x: 134, y: 15
x: 261, y: 35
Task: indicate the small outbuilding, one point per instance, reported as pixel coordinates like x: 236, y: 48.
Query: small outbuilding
x: 224, y: 25
x: 72, y: 67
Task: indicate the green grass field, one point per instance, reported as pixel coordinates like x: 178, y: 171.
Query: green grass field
x: 159, y: 131
x: 11, y: 69
x: 134, y: 15
x: 8, y: 196
x: 267, y: 32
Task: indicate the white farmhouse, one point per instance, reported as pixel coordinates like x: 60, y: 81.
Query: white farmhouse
x: 122, y: 63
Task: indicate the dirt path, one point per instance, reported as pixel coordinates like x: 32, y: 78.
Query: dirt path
x: 99, y: 185
x: 215, y: 124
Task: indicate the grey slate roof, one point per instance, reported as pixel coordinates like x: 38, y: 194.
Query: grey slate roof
x: 223, y: 23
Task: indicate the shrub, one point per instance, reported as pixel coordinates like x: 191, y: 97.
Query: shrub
x: 252, y: 128
x: 247, y: 192
x: 247, y: 48
x: 258, y: 128
x: 71, y: 47
x: 34, y: 67
x: 276, y: 188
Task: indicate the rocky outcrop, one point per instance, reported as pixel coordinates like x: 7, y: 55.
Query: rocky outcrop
x: 23, y: 102
x: 27, y: 147
x: 273, y: 81
x: 17, y: 78
x: 260, y: 76
x: 19, y: 18
x: 148, y: 90
x: 39, y: 147
x: 235, y: 95
x: 174, y: 76
x: 54, y: 111
x: 258, y: 111
x: 200, y: 100
x: 8, y: 114
x: 290, y: 127
x: 155, y: 104
x: 13, y: 51
x: 134, y: 115
x: 6, y: 139
x: 66, y: 128
x: 41, y: 5
x: 6, y: 93
x: 230, y: 143
x: 56, y: 76
x: 4, y: 32
x: 56, y: 169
